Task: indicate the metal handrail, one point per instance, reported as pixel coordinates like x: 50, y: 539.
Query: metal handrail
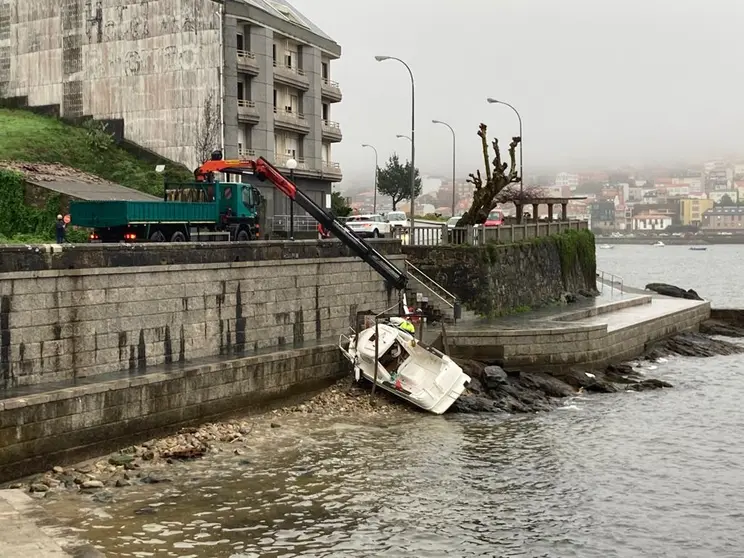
x: 611, y: 279
x: 430, y: 280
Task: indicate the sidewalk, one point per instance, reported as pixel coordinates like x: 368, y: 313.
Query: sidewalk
x: 20, y: 536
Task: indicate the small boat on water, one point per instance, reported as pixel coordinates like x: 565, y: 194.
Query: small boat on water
x: 698, y: 248
x: 406, y: 367
x: 606, y: 246
x: 658, y: 243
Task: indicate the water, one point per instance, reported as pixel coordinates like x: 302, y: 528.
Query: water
x: 625, y: 475
x: 713, y: 273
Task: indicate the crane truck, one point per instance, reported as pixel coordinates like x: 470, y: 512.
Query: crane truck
x: 228, y: 208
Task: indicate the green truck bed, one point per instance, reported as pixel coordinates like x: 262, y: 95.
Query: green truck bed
x: 101, y: 214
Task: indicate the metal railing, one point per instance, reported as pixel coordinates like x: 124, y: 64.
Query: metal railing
x: 245, y: 103
x: 430, y: 285
x: 330, y: 165
x: 246, y: 153
x: 247, y: 56
x: 610, y: 280
x: 435, y: 235
x: 331, y: 83
x: 281, y: 160
x: 290, y: 69
x: 289, y: 114
x: 331, y: 124
x: 302, y: 223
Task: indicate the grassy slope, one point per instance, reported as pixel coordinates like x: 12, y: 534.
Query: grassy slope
x: 28, y: 137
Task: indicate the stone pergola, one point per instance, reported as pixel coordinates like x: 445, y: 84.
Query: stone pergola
x: 550, y: 202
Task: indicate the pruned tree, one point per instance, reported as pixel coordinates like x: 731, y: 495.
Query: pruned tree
x: 498, y: 179
x: 394, y: 180
x: 207, y: 129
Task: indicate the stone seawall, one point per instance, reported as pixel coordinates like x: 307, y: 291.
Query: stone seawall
x: 498, y: 279
x: 39, y: 431
x: 79, y: 311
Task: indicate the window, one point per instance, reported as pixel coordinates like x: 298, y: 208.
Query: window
x: 324, y: 70
x: 248, y: 197
x: 326, y: 111
x: 241, y: 43
x: 274, y: 99
x: 273, y: 52
x: 241, y: 91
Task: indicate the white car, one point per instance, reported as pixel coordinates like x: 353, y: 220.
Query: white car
x: 452, y: 223
x: 373, y: 226
x: 397, y: 219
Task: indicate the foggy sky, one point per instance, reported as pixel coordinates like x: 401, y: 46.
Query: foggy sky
x: 597, y: 82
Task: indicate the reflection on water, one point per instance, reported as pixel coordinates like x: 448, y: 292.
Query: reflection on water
x: 624, y: 475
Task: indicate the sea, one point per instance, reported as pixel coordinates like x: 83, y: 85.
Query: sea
x: 631, y: 475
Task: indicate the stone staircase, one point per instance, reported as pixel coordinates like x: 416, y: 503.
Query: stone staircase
x: 437, y: 304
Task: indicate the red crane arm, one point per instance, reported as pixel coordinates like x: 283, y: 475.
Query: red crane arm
x: 261, y: 168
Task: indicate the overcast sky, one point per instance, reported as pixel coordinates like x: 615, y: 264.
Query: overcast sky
x: 606, y: 82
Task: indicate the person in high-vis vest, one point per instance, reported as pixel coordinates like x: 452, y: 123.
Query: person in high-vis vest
x: 403, y: 324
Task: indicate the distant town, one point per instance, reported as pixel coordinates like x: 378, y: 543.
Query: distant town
x: 661, y: 200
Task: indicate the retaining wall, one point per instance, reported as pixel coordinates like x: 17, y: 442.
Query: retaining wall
x: 39, y: 431
x: 561, y: 346
x: 78, y: 311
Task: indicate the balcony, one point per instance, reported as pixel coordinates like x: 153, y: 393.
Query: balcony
x: 281, y: 161
x: 247, y: 62
x: 291, y: 121
x: 294, y: 77
x: 332, y: 131
x: 246, y: 154
x: 331, y: 91
x: 247, y: 112
x: 332, y: 171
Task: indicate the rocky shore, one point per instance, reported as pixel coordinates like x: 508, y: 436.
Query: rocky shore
x: 492, y: 390
x: 513, y: 391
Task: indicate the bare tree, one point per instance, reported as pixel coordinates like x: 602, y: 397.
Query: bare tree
x: 207, y: 130
x: 487, y: 193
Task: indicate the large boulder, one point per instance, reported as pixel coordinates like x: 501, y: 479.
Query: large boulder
x: 673, y: 291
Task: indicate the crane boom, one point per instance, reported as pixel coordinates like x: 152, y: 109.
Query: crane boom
x: 264, y: 170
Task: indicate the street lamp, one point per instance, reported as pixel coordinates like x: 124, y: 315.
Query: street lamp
x: 401, y: 136
x: 521, y: 142
x: 291, y: 165
x: 413, y: 134
x: 453, y: 161
x: 374, y: 203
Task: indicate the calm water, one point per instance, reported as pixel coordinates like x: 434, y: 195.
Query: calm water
x: 624, y: 475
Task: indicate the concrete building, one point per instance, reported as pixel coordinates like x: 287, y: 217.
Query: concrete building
x: 259, y: 68
x: 724, y: 219
x: 691, y: 211
x: 652, y: 222
x: 567, y: 179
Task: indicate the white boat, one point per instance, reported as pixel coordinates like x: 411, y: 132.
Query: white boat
x: 606, y: 246
x: 405, y: 367
x: 658, y: 243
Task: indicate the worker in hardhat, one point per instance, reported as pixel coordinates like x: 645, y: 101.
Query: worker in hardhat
x: 403, y: 324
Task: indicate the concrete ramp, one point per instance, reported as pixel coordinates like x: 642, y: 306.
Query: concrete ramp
x: 73, y: 183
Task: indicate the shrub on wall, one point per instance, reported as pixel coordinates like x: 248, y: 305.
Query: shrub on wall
x: 18, y: 221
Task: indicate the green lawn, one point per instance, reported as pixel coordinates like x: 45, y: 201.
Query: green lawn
x: 28, y: 137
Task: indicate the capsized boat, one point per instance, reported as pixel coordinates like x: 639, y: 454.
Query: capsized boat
x: 406, y: 367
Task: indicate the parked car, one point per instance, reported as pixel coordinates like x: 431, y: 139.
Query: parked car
x: 397, y: 219
x: 452, y: 223
x: 373, y: 226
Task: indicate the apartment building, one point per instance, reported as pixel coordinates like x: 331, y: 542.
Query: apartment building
x: 724, y: 219
x: 261, y: 68
x: 691, y: 210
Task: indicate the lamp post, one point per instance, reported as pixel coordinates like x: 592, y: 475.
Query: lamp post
x: 521, y: 142
x: 291, y: 165
x: 374, y: 203
x: 401, y: 136
x: 413, y: 135
x: 453, y: 160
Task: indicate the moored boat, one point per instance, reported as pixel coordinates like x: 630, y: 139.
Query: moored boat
x: 406, y: 367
